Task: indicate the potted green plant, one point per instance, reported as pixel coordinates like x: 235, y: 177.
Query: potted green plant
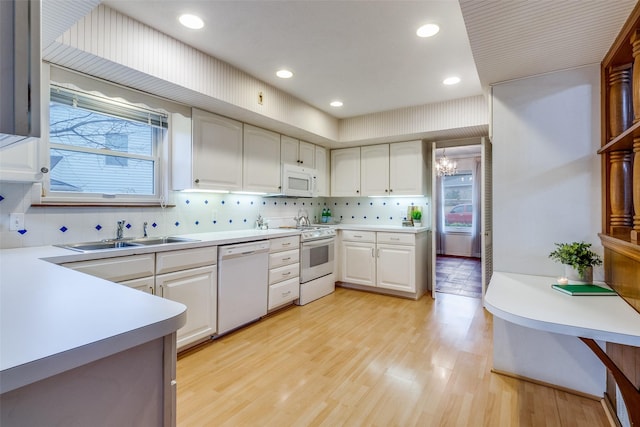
x: 577, y: 256
x: 416, y: 216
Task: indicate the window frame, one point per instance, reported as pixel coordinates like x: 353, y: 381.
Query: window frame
x: 158, y: 156
x: 453, y: 229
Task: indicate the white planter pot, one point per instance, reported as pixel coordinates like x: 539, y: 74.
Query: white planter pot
x: 417, y: 224
x: 573, y: 276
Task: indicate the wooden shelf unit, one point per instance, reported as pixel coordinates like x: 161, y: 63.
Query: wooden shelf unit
x: 620, y: 237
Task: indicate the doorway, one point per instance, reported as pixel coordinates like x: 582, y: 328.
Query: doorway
x: 457, y: 203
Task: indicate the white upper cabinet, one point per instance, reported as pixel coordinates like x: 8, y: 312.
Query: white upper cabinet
x: 297, y: 152
x: 22, y: 162
x: 345, y: 172
x: 261, y: 167
x: 374, y: 170
x: 322, y: 171
x: 210, y: 156
x: 407, y: 171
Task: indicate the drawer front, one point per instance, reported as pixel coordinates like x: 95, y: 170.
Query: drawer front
x: 359, y: 236
x: 279, y: 259
x: 117, y: 269
x: 167, y: 262
x: 397, y: 238
x: 283, y: 273
x: 283, y: 293
x: 285, y: 243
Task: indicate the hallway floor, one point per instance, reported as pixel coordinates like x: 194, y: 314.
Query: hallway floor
x: 459, y: 276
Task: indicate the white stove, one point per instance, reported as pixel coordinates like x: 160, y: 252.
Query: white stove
x: 316, y: 232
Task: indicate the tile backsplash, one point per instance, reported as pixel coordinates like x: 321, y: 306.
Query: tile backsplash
x: 193, y: 213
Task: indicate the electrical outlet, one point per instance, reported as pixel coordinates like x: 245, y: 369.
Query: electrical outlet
x: 16, y: 221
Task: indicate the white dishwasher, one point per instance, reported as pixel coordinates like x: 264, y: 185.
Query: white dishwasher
x: 243, y: 284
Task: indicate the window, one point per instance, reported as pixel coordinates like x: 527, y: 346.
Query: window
x: 103, y: 148
x: 458, y: 201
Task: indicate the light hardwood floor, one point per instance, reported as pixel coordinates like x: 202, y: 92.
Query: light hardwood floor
x: 360, y: 359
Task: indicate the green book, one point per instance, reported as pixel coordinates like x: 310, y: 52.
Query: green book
x: 583, y: 289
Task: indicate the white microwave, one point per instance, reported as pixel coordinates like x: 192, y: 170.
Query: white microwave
x: 298, y: 181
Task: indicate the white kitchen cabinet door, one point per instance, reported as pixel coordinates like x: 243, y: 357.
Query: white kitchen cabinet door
x: 322, y: 171
x: 261, y: 163
x: 345, y: 172
x: 117, y: 269
x: 374, y: 170
x: 396, y: 267
x: 197, y: 289
x: 289, y: 150
x: 22, y: 162
x: 146, y: 284
x: 307, y: 154
x: 217, y: 153
x: 359, y: 263
x: 407, y: 172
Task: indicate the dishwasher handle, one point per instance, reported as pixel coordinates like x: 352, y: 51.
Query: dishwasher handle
x: 243, y: 249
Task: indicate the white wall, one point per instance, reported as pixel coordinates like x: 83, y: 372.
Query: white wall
x: 546, y: 173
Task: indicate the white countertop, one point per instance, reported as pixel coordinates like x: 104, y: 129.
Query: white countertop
x: 382, y: 228
x: 531, y: 302
x: 53, y: 319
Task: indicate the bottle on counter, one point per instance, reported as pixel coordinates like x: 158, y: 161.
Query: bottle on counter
x: 328, y: 215
x: 324, y: 215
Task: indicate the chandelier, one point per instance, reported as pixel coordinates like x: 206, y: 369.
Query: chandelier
x: 445, y: 166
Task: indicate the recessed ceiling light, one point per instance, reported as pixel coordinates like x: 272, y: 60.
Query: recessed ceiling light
x: 284, y: 74
x: 428, y: 30
x: 336, y: 103
x: 451, y: 80
x: 191, y: 21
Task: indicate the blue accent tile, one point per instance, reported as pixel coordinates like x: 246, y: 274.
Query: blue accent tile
x: 1, y: 198
x: 275, y: 203
x: 370, y: 203
x: 176, y: 223
x: 128, y: 226
x: 358, y: 203
x: 377, y: 217
x: 230, y: 221
x: 390, y: 217
x: 335, y: 203
x: 222, y: 202
x: 154, y: 225
x: 384, y: 203
x: 197, y: 222
x: 252, y: 202
x: 365, y: 217
x: 244, y: 220
x: 397, y: 203
x: 411, y: 203
x: 22, y: 231
x: 353, y: 217
x: 215, y: 222
x: 238, y: 202
x: 264, y: 203
x: 187, y: 201
x: 63, y: 229
x: 98, y: 227
x: 346, y: 204
x: 285, y: 203
x: 206, y: 202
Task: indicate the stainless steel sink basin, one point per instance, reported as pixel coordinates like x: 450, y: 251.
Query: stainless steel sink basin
x: 122, y: 244
x: 148, y: 241
x: 97, y: 246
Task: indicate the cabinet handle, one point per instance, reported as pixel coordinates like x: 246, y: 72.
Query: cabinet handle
x: 378, y: 253
x: 286, y: 259
x: 390, y: 190
x: 357, y: 236
x: 394, y: 238
x: 44, y: 170
x: 286, y: 244
x: 287, y: 273
x: 284, y: 294
x: 386, y: 191
x: 197, y: 181
x: 372, y: 253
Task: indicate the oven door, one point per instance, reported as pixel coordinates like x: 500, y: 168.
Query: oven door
x: 316, y: 259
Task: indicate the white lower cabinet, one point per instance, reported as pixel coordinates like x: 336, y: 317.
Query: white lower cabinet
x: 284, y: 271
x: 381, y: 260
x: 197, y: 289
x: 146, y: 284
x: 118, y: 269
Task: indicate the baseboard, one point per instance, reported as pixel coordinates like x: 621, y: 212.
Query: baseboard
x: 546, y: 384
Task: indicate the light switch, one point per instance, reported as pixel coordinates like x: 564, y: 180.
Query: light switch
x: 16, y: 221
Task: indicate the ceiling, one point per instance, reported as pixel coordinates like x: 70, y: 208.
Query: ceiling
x: 366, y: 53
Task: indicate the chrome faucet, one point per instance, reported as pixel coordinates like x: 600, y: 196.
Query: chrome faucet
x: 120, y: 231
x: 144, y: 228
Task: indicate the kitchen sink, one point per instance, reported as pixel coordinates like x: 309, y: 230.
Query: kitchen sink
x: 148, y: 241
x: 123, y: 244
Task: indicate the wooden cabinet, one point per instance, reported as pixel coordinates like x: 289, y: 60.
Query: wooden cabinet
x: 189, y: 276
x: 374, y: 170
x: 345, y: 172
x: 197, y: 289
x: 210, y: 156
x: 284, y: 271
x: 396, y: 261
x: 396, y: 169
x: 261, y: 162
x: 407, y: 170
x: 297, y: 152
x: 322, y: 171
x: 385, y: 261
